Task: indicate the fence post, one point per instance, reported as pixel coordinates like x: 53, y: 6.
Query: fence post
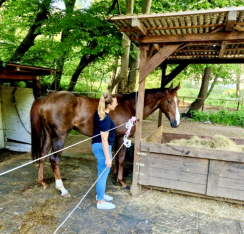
x: 238, y: 104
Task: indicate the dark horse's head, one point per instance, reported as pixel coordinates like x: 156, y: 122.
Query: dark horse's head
x: 169, y: 105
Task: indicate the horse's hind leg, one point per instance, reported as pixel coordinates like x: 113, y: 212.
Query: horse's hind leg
x: 54, y: 159
x: 44, y: 151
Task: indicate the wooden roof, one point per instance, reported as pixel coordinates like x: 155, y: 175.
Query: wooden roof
x: 17, y: 72
x: 212, y: 35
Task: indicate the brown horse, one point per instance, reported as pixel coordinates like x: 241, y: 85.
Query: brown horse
x: 59, y: 112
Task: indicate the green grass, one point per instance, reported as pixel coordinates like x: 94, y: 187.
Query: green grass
x: 224, y: 117
x: 221, y: 97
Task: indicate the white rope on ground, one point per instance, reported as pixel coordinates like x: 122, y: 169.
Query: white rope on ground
x: 13, y: 169
x: 85, y: 194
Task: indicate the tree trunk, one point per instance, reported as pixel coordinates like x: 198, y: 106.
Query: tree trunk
x: 134, y: 67
x: 197, y: 104
x: 135, y: 62
x: 113, y: 6
x: 146, y: 6
x: 1, y: 2
x: 123, y: 76
x: 32, y: 33
x: 85, y: 60
x: 114, y: 72
x: 238, y: 82
x: 215, y: 80
x: 60, y: 61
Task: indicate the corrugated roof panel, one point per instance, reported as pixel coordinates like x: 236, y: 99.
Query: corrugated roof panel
x: 213, y: 22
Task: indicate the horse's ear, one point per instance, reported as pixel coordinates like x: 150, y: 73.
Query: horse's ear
x: 115, y: 89
x: 176, y: 88
x: 171, y: 87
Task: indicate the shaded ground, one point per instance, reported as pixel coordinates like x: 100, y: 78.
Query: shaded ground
x: 27, y: 209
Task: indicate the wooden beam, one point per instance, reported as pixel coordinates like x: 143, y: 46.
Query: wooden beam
x: 164, y: 68
x: 216, y: 29
x: 239, y: 28
x: 231, y: 19
x: 137, y: 24
x: 156, y: 60
x: 4, y: 70
x: 151, y: 50
x: 200, y: 37
x: 222, y: 49
x: 16, y: 77
x: 135, y: 188
x: 174, y: 14
x: 177, y: 27
x: 174, y: 73
x: 198, y: 50
x: 37, y: 87
x: 206, y: 61
x: 157, y: 47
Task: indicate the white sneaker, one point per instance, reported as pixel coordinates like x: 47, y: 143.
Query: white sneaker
x: 105, y: 206
x: 106, y: 197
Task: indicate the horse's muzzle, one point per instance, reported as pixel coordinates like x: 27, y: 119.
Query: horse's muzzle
x: 174, y: 124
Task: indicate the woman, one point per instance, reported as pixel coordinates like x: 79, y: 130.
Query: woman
x: 102, y: 147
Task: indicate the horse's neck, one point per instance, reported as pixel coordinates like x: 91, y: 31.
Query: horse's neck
x: 150, y: 108
x: 150, y: 102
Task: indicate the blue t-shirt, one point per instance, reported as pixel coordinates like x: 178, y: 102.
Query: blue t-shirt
x: 103, y: 125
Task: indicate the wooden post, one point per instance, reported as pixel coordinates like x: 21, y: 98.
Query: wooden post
x: 164, y: 67
x: 135, y: 187
x: 37, y: 87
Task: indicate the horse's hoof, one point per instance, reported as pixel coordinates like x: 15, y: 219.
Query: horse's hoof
x: 44, y: 186
x: 127, y: 188
x: 67, y: 195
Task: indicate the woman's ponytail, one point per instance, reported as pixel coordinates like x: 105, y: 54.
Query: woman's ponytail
x: 104, y: 100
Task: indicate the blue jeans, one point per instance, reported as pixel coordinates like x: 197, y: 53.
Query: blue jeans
x: 101, y: 183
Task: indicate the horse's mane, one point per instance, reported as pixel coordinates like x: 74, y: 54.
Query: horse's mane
x: 150, y: 94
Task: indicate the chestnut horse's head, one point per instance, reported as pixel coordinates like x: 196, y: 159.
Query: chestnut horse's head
x: 169, y: 106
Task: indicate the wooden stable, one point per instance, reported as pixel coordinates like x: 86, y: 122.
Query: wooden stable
x: 16, y: 103
x: 183, y: 38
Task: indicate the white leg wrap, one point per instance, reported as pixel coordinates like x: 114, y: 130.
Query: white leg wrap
x: 60, y: 186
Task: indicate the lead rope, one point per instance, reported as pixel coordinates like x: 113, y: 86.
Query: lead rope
x: 127, y: 143
x: 15, y: 168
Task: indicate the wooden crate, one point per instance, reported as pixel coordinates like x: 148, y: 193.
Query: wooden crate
x: 207, y: 172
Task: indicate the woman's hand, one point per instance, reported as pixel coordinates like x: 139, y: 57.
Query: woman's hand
x: 108, y: 162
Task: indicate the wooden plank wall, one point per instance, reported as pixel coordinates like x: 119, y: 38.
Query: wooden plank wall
x: 17, y: 138
x: 219, y: 177
x: 174, y: 172
x: 231, y: 181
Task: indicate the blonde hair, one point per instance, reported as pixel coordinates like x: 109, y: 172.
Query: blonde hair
x: 105, y: 99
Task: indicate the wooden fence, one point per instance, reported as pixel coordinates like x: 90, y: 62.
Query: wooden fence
x: 239, y: 101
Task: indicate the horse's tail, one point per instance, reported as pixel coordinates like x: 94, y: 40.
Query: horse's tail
x: 36, y: 128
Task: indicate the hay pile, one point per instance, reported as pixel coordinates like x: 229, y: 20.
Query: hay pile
x: 217, y: 142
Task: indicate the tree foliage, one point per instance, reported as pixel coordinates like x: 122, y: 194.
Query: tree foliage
x: 82, y: 37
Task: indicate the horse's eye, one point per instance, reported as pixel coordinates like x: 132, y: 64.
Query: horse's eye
x: 169, y: 102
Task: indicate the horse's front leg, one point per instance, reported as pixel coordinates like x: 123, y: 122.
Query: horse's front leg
x: 44, y: 151
x: 54, y: 160
x: 121, y: 160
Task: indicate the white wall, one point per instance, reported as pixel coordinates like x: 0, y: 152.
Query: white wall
x: 2, y: 141
x: 17, y: 138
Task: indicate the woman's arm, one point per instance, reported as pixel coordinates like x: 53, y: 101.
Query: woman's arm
x: 104, y: 137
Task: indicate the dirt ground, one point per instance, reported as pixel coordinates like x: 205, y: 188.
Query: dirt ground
x: 27, y: 209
